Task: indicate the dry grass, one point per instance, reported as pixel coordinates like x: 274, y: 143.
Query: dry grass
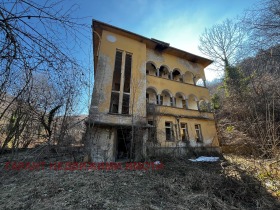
x: 182, y: 184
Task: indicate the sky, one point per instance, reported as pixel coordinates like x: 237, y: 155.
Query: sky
x: 178, y: 22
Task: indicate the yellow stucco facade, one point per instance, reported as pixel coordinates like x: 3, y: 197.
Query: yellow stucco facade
x: 146, y: 91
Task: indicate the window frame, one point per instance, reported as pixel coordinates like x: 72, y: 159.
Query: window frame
x: 198, y: 133
x: 171, y: 135
x: 184, y: 130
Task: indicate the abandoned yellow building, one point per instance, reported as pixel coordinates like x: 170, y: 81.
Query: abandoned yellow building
x: 149, y: 98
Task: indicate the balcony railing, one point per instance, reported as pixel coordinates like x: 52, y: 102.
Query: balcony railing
x: 154, y: 109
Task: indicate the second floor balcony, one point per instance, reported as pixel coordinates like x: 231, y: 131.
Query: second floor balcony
x: 154, y: 109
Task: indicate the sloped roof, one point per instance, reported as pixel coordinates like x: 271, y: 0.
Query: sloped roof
x: 152, y: 43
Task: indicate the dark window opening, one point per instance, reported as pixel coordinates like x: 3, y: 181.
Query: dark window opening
x: 163, y: 72
x: 127, y: 73
x: 198, y: 133
x: 117, y: 71
x: 176, y: 75
x: 151, y: 69
x: 114, y: 102
x: 169, y: 133
x: 184, y: 132
x: 125, y: 104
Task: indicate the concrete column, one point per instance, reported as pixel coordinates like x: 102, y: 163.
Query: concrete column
x: 158, y: 99
x: 194, y: 80
x: 187, y: 104
x: 198, y: 105
x: 157, y: 72
x: 204, y: 83
x: 173, y: 101
x: 122, y: 83
x: 171, y: 75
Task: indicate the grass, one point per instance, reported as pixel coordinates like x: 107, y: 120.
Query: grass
x: 181, y: 184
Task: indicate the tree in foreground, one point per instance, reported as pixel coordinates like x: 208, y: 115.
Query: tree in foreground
x: 39, y: 74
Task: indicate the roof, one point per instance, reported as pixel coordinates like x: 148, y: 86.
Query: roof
x: 152, y: 43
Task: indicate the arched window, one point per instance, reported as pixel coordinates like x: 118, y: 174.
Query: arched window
x: 167, y: 98
x: 151, y: 69
x: 188, y: 77
x: 180, y: 101
x: 164, y: 72
x: 203, y: 105
x: 176, y: 75
x: 151, y: 95
x: 192, y: 102
x: 199, y: 81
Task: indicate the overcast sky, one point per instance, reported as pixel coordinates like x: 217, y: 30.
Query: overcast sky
x: 178, y: 22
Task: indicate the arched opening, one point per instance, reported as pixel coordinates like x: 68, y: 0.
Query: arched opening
x: 188, y: 77
x: 151, y: 95
x: 166, y: 98
x: 192, y: 102
x: 176, y: 75
x: 203, y: 105
x: 180, y: 101
x: 164, y: 72
x: 151, y: 69
x: 199, y: 81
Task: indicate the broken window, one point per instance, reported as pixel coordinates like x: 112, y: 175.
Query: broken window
x: 127, y: 73
x: 117, y: 71
x: 169, y: 133
x: 184, y: 132
x: 114, y: 102
x: 198, y: 133
x: 125, y: 104
x: 121, y: 78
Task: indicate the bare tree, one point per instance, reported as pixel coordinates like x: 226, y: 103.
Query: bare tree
x: 263, y: 25
x: 38, y: 66
x: 222, y: 42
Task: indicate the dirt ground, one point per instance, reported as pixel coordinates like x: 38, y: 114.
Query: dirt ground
x: 180, y: 184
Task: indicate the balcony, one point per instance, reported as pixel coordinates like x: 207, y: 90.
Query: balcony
x: 153, y: 109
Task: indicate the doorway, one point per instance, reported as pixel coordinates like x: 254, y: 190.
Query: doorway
x: 123, y: 144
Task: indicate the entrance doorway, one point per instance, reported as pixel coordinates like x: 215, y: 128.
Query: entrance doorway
x: 123, y: 143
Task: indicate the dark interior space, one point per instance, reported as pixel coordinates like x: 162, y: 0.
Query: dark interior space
x: 123, y: 143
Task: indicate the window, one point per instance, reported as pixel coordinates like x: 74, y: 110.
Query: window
x: 198, y: 133
x: 117, y: 71
x: 125, y: 104
x: 169, y: 133
x: 121, y: 78
x: 114, y: 102
x: 127, y: 73
x: 184, y: 132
